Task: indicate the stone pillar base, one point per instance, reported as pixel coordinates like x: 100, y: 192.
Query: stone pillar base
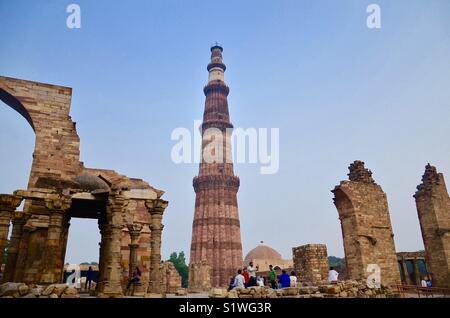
x: 153, y: 295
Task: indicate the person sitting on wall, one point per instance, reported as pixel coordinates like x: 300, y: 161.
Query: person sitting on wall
x: 285, y: 280
x: 231, y: 285
x: 239, y: 280
x: 246, y: 277
x: 293, y: 279
x: 333, y: 276
x: 136, y: 278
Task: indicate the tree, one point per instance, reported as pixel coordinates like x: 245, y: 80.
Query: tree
x: 179, y: 261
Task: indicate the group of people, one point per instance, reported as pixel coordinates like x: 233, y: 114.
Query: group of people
x: 247, y: 277
x: 426, y: 282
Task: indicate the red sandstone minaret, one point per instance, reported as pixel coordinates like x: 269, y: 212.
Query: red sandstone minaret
x: 216, y: 236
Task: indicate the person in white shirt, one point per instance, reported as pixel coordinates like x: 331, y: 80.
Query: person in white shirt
x: 252, y: 274
x: 293, y: 279
x: 423, y: 282
x: 239, y: 280
x: 333, y: 275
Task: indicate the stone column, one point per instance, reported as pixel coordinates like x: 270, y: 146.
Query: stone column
x: 135, y: 231
x: 110, y: 286
x: 101, y: 266
x: 156, y: 209
x: 416, y: 271
x: 19, y: 219
x: 64, y: 239
x: 405, y: 272
x: 23, y: 253
x: 52, y: 262
x: 8, y: 204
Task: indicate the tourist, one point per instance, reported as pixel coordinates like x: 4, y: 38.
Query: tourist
x: 246, y: 276
x: 333, y: 276
x: 252, y: 274
x: 272, y: 277
x: 285, y: 280
x: 293, y: 279
x: 260, y: 281
x: 239, y: 280
x: 89, y: 276
x: 231, y: 285
x: 136, y: 278
x: 423, y: 282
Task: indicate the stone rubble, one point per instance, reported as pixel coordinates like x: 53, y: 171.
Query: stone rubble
x: 21, y: 290
x: 344, y: 289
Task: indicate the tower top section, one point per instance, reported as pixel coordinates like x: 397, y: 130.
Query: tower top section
x: 216, y: 46
x: 216, y: 67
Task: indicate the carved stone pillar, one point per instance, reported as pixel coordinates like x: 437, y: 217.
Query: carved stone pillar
x: 156, y: 209
x: 416, y: 271
x: 8, y: 204
x: 52, y: 256
x: 64, y: 239
x: 23, y: 253
x: 135, y: 231
x: 110, y: 285
x: 405, y: 272
x: 19, y: 219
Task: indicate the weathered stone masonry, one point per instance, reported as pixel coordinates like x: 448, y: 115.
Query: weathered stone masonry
x: 311, y: 263
x: 433, y: 208
x: 129, y: 211
x: 216, y: 236
x: 366, y: 226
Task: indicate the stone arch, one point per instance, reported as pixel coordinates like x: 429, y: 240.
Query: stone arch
x: 15, y: 104
x: 343, y: 202
x: 46, y: 108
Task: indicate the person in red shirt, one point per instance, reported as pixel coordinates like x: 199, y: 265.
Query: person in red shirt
x: 246, y: 276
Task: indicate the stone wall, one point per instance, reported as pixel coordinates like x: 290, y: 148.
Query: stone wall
x: 199, y: 277
x: 170, y: 278
x: 433, y: 208
x: 46, y: 108
x: 311, y: 263
x: 344, y: 289
x: 366, y: 227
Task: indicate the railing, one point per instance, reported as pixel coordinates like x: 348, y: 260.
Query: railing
x: 423, y: 291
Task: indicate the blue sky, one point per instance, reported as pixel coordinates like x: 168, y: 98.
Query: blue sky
x: 337, y: 90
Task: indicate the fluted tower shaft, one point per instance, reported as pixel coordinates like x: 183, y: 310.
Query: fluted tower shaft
x: 216, y: 236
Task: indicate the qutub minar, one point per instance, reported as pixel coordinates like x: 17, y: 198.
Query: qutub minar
x: 216, y: 236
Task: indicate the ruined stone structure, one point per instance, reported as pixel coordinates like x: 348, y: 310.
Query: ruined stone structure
x: 129, y: 211
x: 199, y: 277
x: 216, y: 234
x: 170, y: 278
x: 433, y: 208
x: 311, y: 263
x: 366, y: 226
x: 410, y: 264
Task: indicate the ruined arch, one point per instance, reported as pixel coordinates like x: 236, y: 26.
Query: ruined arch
x: 15, y: 104
x: 366, y: 227
x: 129, y: 211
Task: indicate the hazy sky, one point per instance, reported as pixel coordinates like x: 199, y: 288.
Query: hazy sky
x: 337, y: 90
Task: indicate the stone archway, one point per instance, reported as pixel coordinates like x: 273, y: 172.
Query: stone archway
x: 131, y: 222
